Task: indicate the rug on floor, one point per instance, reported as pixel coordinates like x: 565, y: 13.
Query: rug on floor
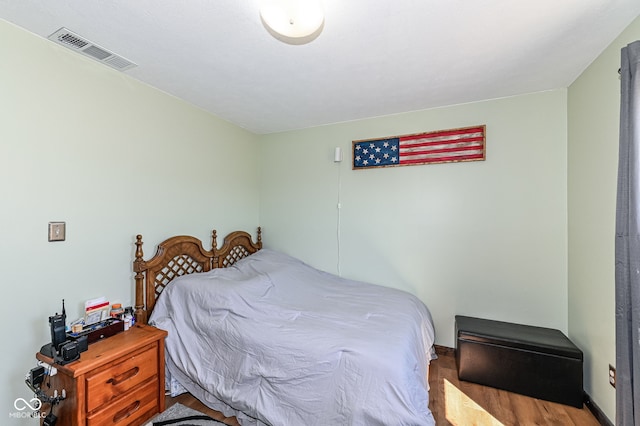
x: 181, y: 415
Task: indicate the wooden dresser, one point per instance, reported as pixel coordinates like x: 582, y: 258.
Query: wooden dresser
x: 117, y: 381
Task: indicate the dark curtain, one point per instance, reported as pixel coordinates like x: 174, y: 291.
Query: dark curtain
x: 627, y: 245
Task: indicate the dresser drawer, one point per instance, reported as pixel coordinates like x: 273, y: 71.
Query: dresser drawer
x: 112, y: 381
x: 133, y: 409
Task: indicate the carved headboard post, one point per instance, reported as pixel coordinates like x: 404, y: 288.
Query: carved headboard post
x: 259, y: 236
x: 214, y: 247
x: 139, y: 266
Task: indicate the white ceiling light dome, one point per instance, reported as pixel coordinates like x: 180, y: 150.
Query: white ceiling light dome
x: 293, y: 21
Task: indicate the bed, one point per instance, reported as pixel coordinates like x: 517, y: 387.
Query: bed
x: 260, y: 335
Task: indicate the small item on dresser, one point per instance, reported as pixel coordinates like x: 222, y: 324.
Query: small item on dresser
x: 96, y: 310
x: 129, y: 317
x: 127, y: 321
x: 117, y: 310
x: 77, y: 325
x: 95, y: 332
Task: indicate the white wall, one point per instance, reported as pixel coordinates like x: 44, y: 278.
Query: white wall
x: 487, y: 239
x: 111, y: 157
x: 594, y: 118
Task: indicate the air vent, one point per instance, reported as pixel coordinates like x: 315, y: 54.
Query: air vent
x: 73, y: 41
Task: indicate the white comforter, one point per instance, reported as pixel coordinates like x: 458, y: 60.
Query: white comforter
x: 277, y: 342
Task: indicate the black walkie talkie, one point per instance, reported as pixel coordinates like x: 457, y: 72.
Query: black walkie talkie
x: 58, y: 324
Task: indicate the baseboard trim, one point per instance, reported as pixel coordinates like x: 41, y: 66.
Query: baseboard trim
x: 444, y: 350
x: 596, y: 411
x: 592, y: 406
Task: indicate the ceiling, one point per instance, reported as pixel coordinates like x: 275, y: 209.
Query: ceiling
x: 373, y: 57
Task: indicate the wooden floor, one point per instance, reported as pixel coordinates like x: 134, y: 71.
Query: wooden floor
x: 465, y: 404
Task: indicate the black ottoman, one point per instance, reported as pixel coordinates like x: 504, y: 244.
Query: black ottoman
x: 534, y: 361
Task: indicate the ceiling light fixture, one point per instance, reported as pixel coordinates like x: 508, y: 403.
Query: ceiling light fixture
x: 293, y: 21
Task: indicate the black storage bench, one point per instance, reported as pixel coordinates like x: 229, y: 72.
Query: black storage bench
x: 534, y: 361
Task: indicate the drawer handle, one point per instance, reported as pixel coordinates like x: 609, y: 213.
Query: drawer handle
x: 124, y: 376
x: 123, y: 414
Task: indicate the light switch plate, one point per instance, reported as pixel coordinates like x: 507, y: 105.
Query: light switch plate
x: 57, y: 231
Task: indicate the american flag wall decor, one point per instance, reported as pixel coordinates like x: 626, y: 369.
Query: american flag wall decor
x: 444, y: 146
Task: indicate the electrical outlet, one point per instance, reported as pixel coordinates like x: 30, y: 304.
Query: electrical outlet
x: 612, y: 375
x: 57, y: 231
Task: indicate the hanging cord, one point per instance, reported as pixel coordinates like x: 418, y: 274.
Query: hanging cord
x: 338, y: 207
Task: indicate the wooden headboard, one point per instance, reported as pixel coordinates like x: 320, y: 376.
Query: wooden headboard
x: 183, y: 255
